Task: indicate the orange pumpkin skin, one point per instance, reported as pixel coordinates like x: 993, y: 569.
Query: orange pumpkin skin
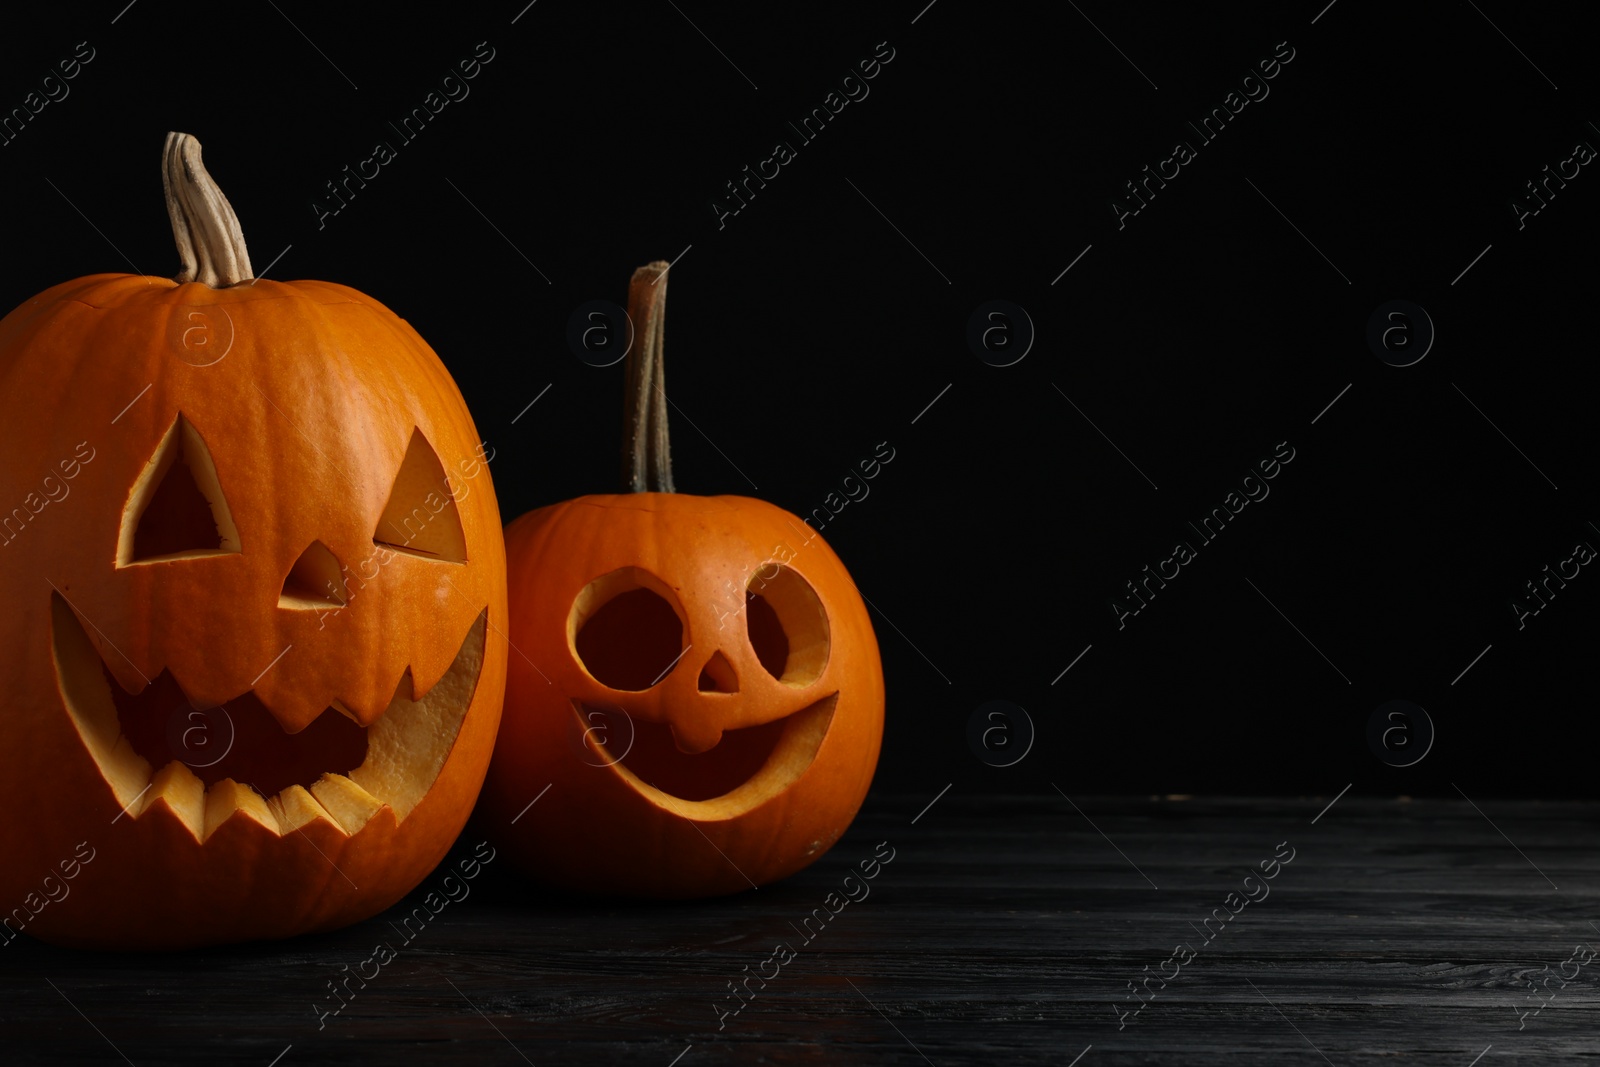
x: 306, y: 415
x: 600, y: 827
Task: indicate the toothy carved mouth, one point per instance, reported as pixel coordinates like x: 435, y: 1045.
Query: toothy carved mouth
x: 742, y: 771
x: 333, y: 770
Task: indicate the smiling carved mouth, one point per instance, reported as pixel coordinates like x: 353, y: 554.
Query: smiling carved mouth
x: 212, y: 764
x: 743, y: 770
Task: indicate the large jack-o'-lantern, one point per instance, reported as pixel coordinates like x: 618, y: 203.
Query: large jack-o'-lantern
x: 253, y: 574
x: 695, y: 705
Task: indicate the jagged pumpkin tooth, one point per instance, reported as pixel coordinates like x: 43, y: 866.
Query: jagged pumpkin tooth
x: 295, y: 808
x: 228, y: 798
x: 183, y: 793
x: 349, y: 804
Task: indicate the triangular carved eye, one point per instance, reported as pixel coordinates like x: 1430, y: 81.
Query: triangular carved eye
x: 421, y: 516
x: 176, y: 509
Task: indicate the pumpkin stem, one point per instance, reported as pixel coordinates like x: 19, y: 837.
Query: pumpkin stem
x: 210, y: 242
x: 646, y: 458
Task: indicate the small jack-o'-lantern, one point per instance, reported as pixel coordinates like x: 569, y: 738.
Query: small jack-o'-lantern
x: 696, y: 705
x: 253, y: 573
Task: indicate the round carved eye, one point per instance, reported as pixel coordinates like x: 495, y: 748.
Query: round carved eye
x: 787, y: 625
x: 625, y: 629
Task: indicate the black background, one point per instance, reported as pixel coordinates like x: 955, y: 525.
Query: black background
x: 826, y: 316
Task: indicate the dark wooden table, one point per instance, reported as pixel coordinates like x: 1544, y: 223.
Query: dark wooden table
x: 1005, y: 930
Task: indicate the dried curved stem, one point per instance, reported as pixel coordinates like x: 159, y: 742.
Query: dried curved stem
x: 210, y: 242
x: 646, y: 457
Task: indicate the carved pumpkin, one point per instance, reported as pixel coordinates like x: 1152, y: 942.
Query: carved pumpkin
x: 696, y: 679
x: 254, y: 578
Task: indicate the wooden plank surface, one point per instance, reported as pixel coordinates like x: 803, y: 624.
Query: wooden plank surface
x: 1004, y: 930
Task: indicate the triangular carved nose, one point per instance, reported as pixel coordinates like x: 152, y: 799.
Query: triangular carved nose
x: 718, y: 675
x: 315, y: 582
